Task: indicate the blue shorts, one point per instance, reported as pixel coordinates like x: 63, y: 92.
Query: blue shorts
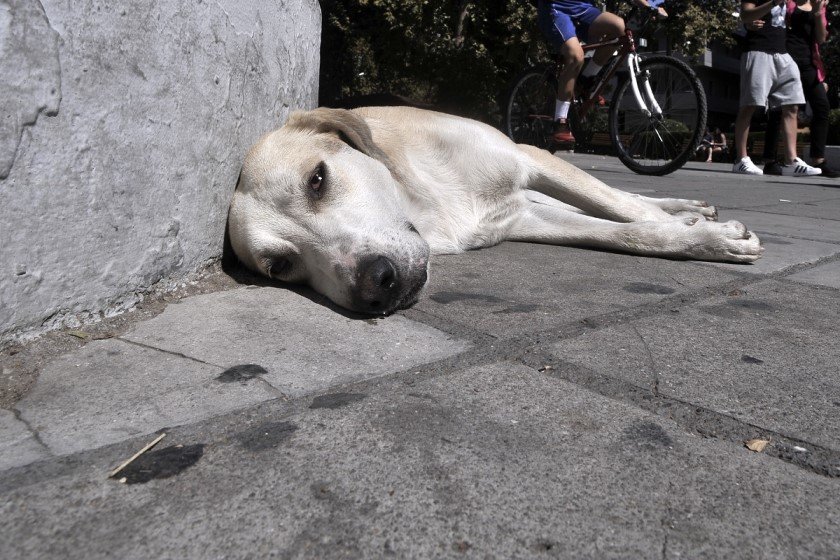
x: 560, y: 20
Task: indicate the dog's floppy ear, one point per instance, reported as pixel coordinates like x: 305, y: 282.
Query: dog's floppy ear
x: 350, y: 127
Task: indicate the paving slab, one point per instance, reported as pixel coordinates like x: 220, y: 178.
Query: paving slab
x: 18, y: 445
x: 109, y: 391
x: 714, y: 183
x: 302, y: 345
x: 525, y: 287
x: 812, y: 229
x: 824, y: 275
x: 822, y: 209
x: 497, y: 461
x: 749, y: 193
x: 767, y: 355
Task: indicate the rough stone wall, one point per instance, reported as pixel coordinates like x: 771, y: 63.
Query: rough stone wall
x: 122, y: 129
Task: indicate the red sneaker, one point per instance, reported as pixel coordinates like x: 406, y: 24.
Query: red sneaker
x: 562, y: 136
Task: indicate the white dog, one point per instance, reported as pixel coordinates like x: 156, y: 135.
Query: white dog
x: 354, y: 202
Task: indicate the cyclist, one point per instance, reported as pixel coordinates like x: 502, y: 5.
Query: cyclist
x: 567, y: 23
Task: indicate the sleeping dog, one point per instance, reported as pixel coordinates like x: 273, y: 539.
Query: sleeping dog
x: 353, y: 203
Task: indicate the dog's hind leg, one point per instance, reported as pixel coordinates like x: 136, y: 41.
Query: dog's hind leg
x: 683, y: 207
x: 554, y: 177
x: 688, y: 237
x: 540, y: 198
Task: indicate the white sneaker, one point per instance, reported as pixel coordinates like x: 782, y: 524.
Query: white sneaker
x: 746, y: 167
x: 800, y: 169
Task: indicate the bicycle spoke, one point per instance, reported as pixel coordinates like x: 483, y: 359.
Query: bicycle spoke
x: 530, y: 109
x: 659, y: 142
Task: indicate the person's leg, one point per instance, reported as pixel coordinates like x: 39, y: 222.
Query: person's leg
x: 572, y: 55
x: 755, y: 86
x: 743, y: 163
x: 817, y: 97
x: 789, y: 113
x: 771, y: 142
x: 742, y: 130
x: 786, y: 93
x: 771, y: 136
x: 559, y: 29
x: 793, y: 166
x: 605, y: 27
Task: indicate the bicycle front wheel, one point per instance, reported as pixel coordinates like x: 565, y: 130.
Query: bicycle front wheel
x: 529, y: 106
x: 659, y: 137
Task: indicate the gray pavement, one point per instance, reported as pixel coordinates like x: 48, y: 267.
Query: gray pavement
x: 537, y: 402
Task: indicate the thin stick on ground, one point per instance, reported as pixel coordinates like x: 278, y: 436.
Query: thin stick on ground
x: 133, y: 457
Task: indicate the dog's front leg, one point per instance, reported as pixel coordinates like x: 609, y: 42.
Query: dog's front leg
x: 687, y: 237
x: 682, y: 207
x: 565, y: 182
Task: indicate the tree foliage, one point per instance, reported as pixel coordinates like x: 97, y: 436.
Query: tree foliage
x: 692, y: 25
x: 454, y: 53
x: 460, y: 55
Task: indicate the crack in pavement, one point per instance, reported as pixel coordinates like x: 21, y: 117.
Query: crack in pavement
x: 35, y: 434
x: 651, y: 361
x: 170, y: 352
x: 695, y: 418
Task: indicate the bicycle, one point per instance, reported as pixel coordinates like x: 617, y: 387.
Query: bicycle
x: 657, y: 115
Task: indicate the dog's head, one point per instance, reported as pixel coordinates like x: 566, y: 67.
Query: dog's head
x: 317, y: 204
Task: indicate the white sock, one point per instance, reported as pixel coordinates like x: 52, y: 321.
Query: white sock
x: 591, y: 69
x: 561, y: 109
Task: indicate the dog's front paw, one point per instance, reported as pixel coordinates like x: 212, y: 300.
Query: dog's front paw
x: 708, y: 212
x: 681, y: 207
x: 730, y: 242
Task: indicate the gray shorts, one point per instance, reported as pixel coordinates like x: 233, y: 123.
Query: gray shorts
x: 770, y: 79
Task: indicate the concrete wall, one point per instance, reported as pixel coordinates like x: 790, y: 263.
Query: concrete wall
x: 122, y: 129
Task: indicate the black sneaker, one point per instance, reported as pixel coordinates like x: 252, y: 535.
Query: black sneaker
x: 827, y: 170
x: 772, y: 168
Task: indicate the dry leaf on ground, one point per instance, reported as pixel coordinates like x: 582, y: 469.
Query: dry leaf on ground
x: 756, y: 445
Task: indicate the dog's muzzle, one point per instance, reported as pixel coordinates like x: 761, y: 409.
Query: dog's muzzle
x: 381, y: 288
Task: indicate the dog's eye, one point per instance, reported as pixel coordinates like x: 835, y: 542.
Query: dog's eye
x: 279, y: 266
x: 315, y: 181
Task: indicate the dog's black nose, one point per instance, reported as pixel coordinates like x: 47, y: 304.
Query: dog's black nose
x: 378, y: 285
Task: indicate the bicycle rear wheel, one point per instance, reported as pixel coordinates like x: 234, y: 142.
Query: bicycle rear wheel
x: 529, y: 106
x: 658, y: 144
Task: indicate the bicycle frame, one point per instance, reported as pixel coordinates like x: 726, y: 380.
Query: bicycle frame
x: 654, y: 117
x: 626, y: 47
